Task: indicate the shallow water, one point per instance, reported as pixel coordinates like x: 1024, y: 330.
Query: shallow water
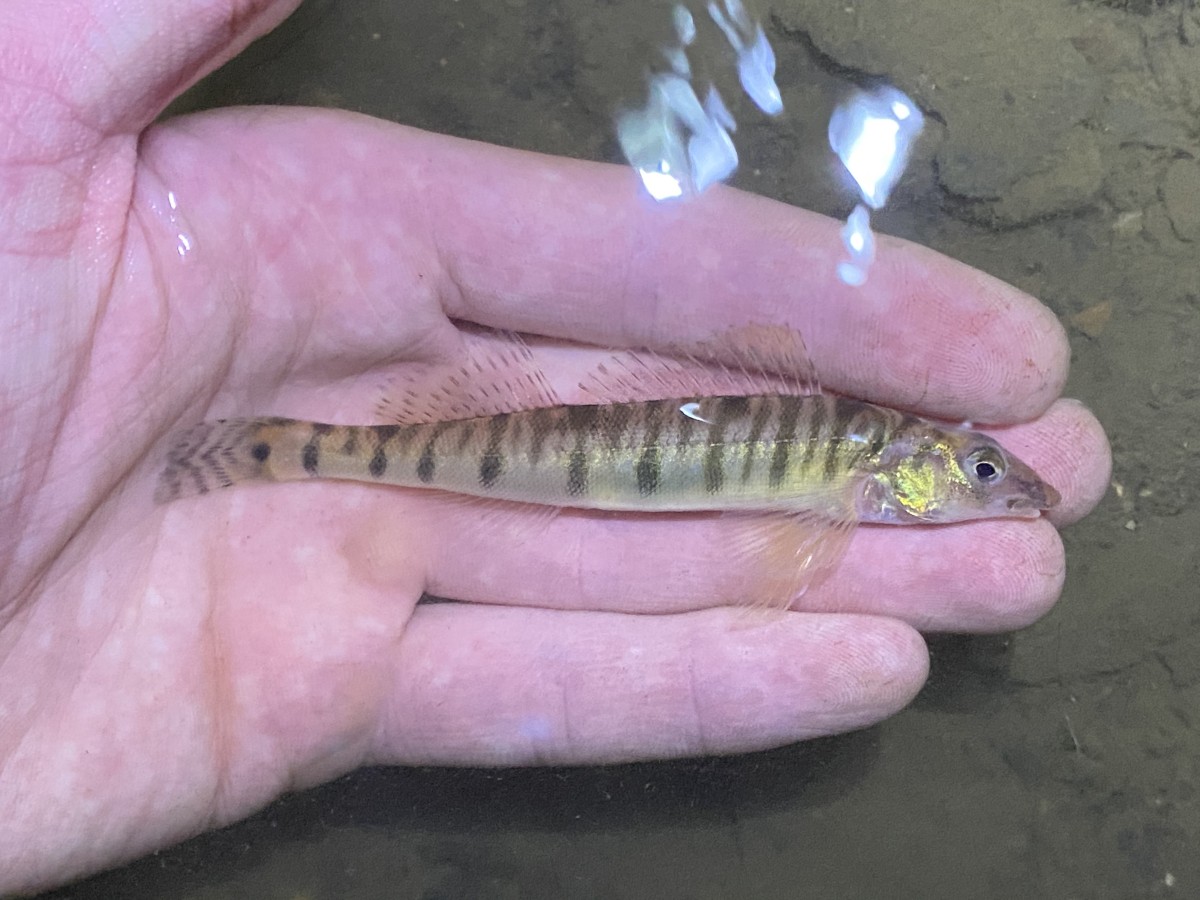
x: 1062, y: 761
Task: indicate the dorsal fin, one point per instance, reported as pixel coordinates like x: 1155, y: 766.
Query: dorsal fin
x: 498, y: 375
x: 751, y: 359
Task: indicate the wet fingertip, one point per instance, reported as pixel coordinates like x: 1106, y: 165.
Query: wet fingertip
x: 1035, y: 575
x: 955, y: 342
x: 903, y: 662
x: 1069, y: 450
x: 1078, y: 460
x: 999, y: 576
x: 1031, y: 347
x: 882, y: 666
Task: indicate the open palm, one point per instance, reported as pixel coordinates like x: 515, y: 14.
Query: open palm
x: 165, y: 669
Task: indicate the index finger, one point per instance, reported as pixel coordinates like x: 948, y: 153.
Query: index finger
x: 575, y: 250
x: 382, y: 222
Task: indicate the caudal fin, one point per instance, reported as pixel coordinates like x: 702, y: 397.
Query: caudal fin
x: 213, y: 455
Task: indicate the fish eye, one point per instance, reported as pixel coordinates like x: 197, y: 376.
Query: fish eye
x: 986, y: 465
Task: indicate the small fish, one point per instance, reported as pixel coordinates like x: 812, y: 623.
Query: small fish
x: 801, y: 469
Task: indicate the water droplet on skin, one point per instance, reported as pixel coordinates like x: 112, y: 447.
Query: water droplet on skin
x: 171, y: 212
x: 859, y: 241
x: 851, y: 274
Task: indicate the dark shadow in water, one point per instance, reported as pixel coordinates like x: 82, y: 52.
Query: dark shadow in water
x: 967, y: 673
x: 483, y: 802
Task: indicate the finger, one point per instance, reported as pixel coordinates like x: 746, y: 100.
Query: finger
x: 112, y: 68
x: 384, y: 225
x: 925, y: 332
x: 1069, y: 449
x: 478, y: 685
x: 975, y: 577
x: 983, y: 576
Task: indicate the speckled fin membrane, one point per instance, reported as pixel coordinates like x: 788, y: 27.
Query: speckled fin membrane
x: 498, y: 375
x: 743, y: 361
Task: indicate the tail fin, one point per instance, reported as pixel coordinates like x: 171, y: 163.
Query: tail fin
x: 213, y: 455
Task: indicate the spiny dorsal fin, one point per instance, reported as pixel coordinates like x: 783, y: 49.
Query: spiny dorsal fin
x: 751, y: 359
x: 498, y: 375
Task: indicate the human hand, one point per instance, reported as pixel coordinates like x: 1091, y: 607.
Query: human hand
x: 168, y: 669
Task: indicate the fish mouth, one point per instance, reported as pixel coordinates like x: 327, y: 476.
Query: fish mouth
x: 1035, y: 497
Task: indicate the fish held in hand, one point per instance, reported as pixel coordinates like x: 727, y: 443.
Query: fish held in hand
x: 773, y: 453
x: 750, y: 437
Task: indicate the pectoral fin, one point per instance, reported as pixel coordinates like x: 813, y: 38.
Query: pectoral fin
x: 786, y: 554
